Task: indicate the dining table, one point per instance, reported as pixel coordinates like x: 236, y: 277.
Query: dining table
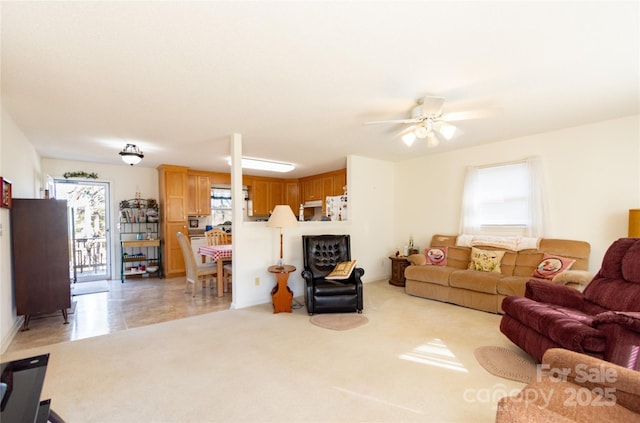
x: 220, y: 254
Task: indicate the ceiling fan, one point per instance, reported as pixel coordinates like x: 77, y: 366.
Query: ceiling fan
x: 427, y: 121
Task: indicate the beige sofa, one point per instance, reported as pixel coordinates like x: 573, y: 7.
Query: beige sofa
x: 454, y: 283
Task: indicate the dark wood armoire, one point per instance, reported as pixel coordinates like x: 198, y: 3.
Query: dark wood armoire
x: 40, y: 251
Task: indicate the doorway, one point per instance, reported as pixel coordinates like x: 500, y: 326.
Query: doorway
x: 89, y: 229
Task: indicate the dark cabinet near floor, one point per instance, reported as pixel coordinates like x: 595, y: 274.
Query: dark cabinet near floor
x: 40, y: 251
x: 398, y: 266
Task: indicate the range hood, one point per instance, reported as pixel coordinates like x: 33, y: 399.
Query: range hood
x: 311, y: 204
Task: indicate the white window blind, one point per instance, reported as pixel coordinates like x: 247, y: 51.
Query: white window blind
x: 504, y: 199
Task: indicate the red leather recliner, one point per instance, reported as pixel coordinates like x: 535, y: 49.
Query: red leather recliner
x: 594, y: 322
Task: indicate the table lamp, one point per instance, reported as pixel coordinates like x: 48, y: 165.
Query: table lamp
x: 634, y: 223
x: 282, y: 217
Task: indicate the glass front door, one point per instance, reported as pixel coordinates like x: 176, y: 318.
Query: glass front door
x: 90, y: 243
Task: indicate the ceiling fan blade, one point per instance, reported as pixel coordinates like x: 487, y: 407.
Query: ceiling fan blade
x: 476, y: 114
x: 407, y: 130
x: 432, y: 105
x: 393, y: 121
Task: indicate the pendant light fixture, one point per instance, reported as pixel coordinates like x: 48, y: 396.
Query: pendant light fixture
x: 131, y: 154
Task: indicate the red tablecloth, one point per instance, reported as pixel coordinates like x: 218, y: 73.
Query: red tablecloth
x: 219, y: 253
x: 216, y: 251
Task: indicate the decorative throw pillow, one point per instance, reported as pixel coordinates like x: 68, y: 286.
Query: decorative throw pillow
x: 551, y: 266
x: 436, y: 256
x: 342, y: 270
x: 485, y: 260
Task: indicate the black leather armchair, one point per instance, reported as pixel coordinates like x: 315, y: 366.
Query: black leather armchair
x: 321, y: 253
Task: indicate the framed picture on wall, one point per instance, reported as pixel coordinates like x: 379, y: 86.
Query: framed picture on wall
x: 6, y: 193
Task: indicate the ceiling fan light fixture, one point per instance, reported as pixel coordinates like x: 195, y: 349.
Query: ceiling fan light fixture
x: 131, y: 154
x: 409, y: 138
x: 447, y: 131
x: 432, y: 141
x: 421, y: 132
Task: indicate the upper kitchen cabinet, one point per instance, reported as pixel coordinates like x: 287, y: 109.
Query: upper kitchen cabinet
x: 173, y: 192
x: 292, y: 194
x: 198, y: 194
x: 266, y: 193
x: 319, y: 187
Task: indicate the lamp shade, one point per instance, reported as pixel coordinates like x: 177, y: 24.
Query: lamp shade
x: 634, y: 223
x: 282, y: 217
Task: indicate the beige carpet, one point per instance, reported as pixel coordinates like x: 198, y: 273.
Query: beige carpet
x: 338, y: 321
x: 412, y: 362
x: 507, y: 363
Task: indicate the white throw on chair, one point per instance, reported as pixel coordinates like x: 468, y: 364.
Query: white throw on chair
x: 195, y: 271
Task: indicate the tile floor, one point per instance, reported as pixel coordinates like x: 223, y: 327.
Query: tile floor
x: 137, y: 302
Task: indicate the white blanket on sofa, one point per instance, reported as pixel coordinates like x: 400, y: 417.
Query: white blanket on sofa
x: 514, y: 243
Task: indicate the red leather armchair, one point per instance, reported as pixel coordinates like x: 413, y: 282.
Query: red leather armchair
x: 595, y: 322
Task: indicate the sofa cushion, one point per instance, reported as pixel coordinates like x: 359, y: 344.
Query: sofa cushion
x: 526, y: 262
x: 433, y: 274
x: 613, y: 294
x: 568, y: 327
x: 609, y: 289
x: 631, y: 263
x: 458, y: 257
x: 485, y: 260
x: 473, y: 280
x: 512, y: 285
x: 552, y: 265
x: 578, y: 250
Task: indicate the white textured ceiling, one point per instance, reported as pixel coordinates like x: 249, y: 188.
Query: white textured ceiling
x: 298, y: 79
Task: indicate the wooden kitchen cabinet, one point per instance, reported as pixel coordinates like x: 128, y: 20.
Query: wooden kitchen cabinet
x: 172, y: 258
x: 311, y: 189
x: 292, y: 195
x: 40, y: 245
x: 173, y: 216
x: 198, y: 195
x: 259, y: 197
x: 339, y: 182
x: 276, y: 194
x: 266, y: 194
x: 318, y: 187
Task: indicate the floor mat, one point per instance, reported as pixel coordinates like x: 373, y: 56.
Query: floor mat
x: 82, y: 288
x: 506, y: 363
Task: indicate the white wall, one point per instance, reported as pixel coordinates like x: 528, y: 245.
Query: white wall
x: 592, y: 177
x: 20, y: 164
x: 256, y: 247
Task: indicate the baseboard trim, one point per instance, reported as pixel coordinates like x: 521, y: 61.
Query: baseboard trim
x: 6, y: 341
